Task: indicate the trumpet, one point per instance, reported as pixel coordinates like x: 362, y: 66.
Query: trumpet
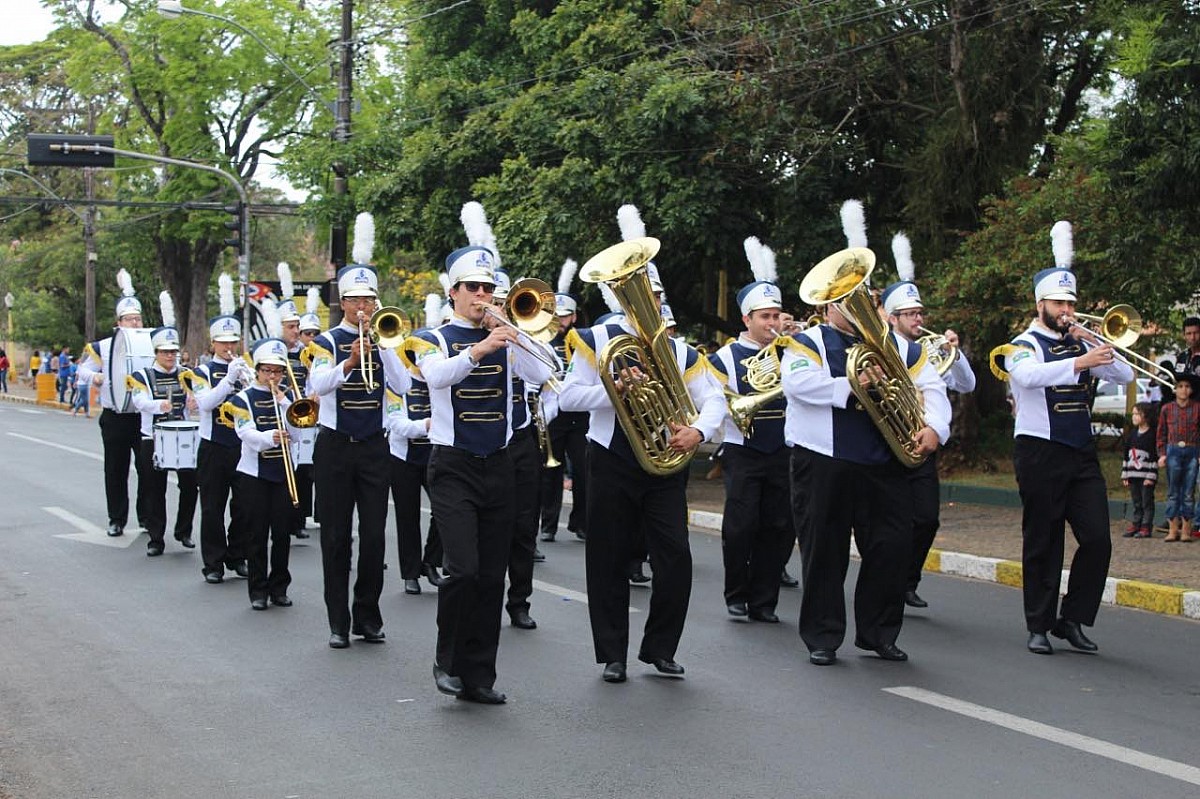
x: 289, y: 471
x: 367, y: 364
x: 1120, y: 328
x: 531, y: 302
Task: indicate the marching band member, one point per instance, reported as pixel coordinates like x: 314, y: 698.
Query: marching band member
x: 310, y: 327
x: 350, y: 458
x: 623, y: 499
x: 258, y: 415
x: 1050, y: 367
x: 756, y: 531
x: 845, y: 475
x: 216, y: 465
x: 567, y: 431
x: 408, y: 441
x: 119, y: 431
x: 289, y: 318
x: 906, y: 315
x: 159, y: 395
x: 467, y: 363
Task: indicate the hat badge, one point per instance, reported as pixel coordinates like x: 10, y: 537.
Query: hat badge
x: 911, y: 290
x: 362, y: 277
x: 770, y: 292
x: 1065, y: 279
x: 483, y: 259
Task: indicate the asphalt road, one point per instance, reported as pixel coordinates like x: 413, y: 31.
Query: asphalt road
x: 122, y: 676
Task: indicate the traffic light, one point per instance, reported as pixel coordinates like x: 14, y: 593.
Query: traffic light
x: 234, y: 225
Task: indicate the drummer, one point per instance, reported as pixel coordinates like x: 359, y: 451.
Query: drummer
x: 118, y: 430
x: 159, y: 395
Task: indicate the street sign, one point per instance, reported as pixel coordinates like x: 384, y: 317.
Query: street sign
x: 60, y: 149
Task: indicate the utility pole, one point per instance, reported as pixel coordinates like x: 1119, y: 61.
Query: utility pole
x: 89, y: 243
x: 341, y: 134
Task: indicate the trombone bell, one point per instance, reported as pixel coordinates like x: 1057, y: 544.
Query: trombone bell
x: 390, y: 326
x: 530, y: 305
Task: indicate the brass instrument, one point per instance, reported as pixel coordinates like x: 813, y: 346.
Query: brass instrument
x: 289, y: 471
x: 890, y: 396
x: 543, y: 431
x: 389, y: 327
x: 649, y: 405
x: 302, y: 413
x: 763, y: 374
x: 1120, y: 328
x: 531, y: 303
x: 938, y: 351
x: 366, y: 362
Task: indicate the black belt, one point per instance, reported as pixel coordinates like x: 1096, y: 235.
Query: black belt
x: 467, y: 453
x: 352, y: 439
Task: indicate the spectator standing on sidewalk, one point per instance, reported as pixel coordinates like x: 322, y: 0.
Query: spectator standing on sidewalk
x: 81, y: 386
x: 63, y: 369
x: 35, y: 363
x: 4, y: 366
x: 1139, y: 472
x: 1178, y: 447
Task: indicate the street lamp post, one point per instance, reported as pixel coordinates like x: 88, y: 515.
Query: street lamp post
x: 340, y: 109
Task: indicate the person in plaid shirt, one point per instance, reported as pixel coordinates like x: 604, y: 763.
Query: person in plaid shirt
x: 1178, y: 448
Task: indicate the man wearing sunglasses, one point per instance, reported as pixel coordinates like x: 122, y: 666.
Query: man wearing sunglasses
x: 469, y: 365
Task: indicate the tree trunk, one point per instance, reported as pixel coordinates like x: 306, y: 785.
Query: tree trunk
x: 187, y: 270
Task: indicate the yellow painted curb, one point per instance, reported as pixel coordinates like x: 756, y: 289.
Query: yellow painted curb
x: 1149, y: 596
x: 1009, y: 572
x: 933, y: 561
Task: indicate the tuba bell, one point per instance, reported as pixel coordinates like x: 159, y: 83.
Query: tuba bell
x: 890, y: 396
x: 648, y: 407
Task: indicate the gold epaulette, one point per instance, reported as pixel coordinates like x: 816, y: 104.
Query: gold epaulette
x: 574, y: 343
x: 804, y: 351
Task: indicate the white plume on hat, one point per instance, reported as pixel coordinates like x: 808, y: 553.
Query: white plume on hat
x: 364, y: 238
x: 270, y: 315
x: 444, y: 279
x: 312, y: 301
x: 854, y: 223
x: 287, y: 289
x: 125, y: 282
x: 168, y: 309
x: 610, y: 298
x: 902, y: 252
x: 479, y: 232
x: 225, y: 294
x: 1063, y: 243
x: 629, y: 220
x: 566, y: 275
x: 433, y: 310
x: 762, y: 260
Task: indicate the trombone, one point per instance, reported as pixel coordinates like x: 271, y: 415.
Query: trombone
x: 289, y: 471
x: 387, y: 328
x: 1120, y: 328
x: 302, y: 413
x: 531, y: 303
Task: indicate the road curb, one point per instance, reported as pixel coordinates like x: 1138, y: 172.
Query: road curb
x: 1152, y: 597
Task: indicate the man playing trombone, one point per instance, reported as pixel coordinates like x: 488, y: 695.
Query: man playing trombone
x: 1050, y: 367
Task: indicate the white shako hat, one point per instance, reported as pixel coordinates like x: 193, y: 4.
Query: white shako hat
x: 225, y: 328
x: 359, y: 279
x: 312, y: 301
x: 629, y: 220
x: 1058, y: 282
x: 564, y: 303
x: 503, y: 284
x: 164, y: 338
x: 128, y: 305
x: 763, y: 292
x: 902, y: 295
x: 270, y: 351
x: 668, y: 316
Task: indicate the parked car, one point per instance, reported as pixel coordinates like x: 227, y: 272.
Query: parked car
x: 1110, y: 397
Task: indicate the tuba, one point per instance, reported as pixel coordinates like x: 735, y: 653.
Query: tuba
x: 647, y: 407
x: 890, y: 397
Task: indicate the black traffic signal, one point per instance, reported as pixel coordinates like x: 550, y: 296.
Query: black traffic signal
x: 234, y: 225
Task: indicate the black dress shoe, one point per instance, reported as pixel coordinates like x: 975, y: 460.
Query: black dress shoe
x: 281, y: 600
x: 663, y: 665
x: 637, y: 575
x: 522, y: 620
x: 764, y: 615
x: 446, y: 683
x: 822, y: 657
x: 368, y: 634
x: 432, y: 574
x: 1039, y: 644
x: 115, y: 531
x: 580, y: 534
x: 914, y: 601
x: 412, y: 587
x: 483, y: 696
x: 186, y: 542
x: 301, y: 533
x: 614, y: 672
x: 153, y: 550
x: 240, y: 568
x: 1072, y: 633
x: 212, y: 576
x: 885, y: 651
x: 538, y: 557
x: 787, y: 580
x: 737, y: 609
x: 548, y: 535
x: 338, y: 641
x: 259, y: 603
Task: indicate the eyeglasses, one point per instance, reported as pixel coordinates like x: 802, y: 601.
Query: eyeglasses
x: 358, y: 300
x: 474, y: 286
x: 910, y: 314
x: 276, y: 371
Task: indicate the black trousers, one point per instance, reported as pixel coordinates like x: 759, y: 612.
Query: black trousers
x: 269, y: 515
x: 756, y: 529
x: 926, y: 492
x: 623, y: 500
x: 216, y: 472
x: 1141, y: 495
x: 1059, y: 484
x: 304, y: 491
x: 473, y: 501
x: 156, y: 496
x: 830, y: 497
x: 352, y: 475
x: 121, y: 436
x: 568, y: 441
x: 527, y: 465
x: 407, y: 481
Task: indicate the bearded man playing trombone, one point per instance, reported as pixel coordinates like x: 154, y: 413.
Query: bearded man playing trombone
x: 1050, y: 367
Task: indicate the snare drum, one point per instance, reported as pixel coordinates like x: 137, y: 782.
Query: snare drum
x: 176, y: 445
x: 304, y: 439
x: 131, y: 352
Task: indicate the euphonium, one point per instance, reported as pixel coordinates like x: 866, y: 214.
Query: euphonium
x: 646, y: 408
x: 890, y: 396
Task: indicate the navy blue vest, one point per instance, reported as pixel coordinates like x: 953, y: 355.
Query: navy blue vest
x: 214, y: 372
x: 480, y: 400
x: 767, y: 433
x: 1068, y: 407
x: 262, y: 412
x: 300, y: 371
x: 416, y: 403
x: 164, y: 385
x: 359, y: 412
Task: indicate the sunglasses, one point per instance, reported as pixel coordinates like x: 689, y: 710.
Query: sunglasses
x: 473, y: 286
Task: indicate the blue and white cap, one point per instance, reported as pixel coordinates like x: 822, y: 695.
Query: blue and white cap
x: 270, y: 351
x: 758, y: 295
x: 225, y: 328
x: 564, y: 305
x: 655, y: 281
x: 128, y: 306
x: 310, y: 321
x: 610, y: 318
x: 288, y: 312
x: 503, y: 284
x: 472, y: 263
x: 164, y: 338
x: 1054, y: 284
x: 901, y: 296
x: 357, y: 280
x: 668, y: 316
